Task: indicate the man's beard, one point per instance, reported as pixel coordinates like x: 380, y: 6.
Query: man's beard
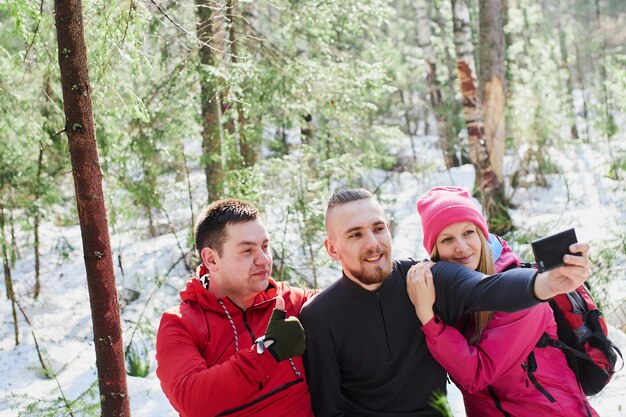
x: 377, y: 275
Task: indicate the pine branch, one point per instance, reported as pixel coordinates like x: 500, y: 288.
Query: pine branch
x: 117, y: 46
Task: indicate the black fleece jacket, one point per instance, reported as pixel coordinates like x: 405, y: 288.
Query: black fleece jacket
x: 365, y: 353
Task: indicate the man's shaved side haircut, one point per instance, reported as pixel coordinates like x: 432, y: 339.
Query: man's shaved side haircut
x: 347, y: 196
x: 344, y: 197
x: 211, y: 227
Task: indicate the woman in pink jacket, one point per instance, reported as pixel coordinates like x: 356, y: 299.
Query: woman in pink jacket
x: 490, y: 356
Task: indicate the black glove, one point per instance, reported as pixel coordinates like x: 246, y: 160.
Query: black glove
x: 284, y: 338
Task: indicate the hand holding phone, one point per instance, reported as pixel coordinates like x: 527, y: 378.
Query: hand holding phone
x: 549, y: 251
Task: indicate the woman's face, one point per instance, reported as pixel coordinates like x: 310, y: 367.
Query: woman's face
x: 460, y: 243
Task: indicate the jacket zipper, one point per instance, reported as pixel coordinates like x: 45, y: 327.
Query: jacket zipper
x: 262, y: 397
x: 531, y: 367
x: 245, y: 322
x: 382, y: 315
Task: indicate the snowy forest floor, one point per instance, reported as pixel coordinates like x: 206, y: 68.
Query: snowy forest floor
x: 580, y: 196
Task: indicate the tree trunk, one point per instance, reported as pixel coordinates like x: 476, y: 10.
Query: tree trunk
x: 105, y: 311
x: 509, y: 80
x: 452, y: 106
x: 492, y: 82
x: 219, y: 40
x: 583, y: 91
x: 307, y: 136
x: 246, y: 146
x: 411, y: 125
x: 149, y: 156
x: 15, y: 252
x: 8, y: 279
x: 491, y: 192
x: 610, y: 126
x: 189, y: 190
x: 152, y: 232
x: 212, y: 157
x: 36, y: 220
x: 603, y: 75
x: 566, y: 62
x: 444, y: 129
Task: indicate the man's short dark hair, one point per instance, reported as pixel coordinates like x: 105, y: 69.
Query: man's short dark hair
x: 347, y: 196
x: 211, y: 227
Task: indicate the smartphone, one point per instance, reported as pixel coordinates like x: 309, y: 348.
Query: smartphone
x: 549, y: 251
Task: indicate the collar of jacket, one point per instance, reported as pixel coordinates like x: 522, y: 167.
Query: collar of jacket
x: 196, y: 292
x: 359, y: 291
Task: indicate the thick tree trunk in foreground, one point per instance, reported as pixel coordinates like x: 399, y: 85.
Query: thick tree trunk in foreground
x: 105, y: 311
x: 491, y: 192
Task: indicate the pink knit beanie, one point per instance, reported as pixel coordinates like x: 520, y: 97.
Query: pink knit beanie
x: 442, y: 206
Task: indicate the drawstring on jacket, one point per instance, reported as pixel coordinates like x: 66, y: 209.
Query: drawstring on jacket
x: 232, y: 324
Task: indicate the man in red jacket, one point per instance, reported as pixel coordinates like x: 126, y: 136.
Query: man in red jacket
x: 227, y: 349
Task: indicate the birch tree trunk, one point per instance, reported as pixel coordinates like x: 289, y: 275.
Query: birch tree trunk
x: 453, y: 106
x: 492, y: 82
x: 212, y: 157
x: 491, y: 192
x: 444, y: 129
x: 105, y: 311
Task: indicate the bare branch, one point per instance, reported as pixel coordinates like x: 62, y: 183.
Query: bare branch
x: 36, y: 31
x: 48, y: 371
x: 179, y: 26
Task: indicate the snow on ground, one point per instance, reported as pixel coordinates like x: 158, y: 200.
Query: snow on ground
x: 61, y: 318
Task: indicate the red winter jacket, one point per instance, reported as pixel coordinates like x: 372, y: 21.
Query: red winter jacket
x: 505, y: 374
x: 207, y: 362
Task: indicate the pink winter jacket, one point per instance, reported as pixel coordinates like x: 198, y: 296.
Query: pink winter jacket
x: 505, y: 374
x: 207, y: 362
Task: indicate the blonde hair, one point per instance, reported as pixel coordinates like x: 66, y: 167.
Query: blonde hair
x: 487, y: 266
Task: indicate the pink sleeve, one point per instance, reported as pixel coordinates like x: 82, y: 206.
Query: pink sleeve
x: 505, y: 343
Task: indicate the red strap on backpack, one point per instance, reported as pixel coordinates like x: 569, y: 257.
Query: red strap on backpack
x: 585, y: 321
x: 582, y: 335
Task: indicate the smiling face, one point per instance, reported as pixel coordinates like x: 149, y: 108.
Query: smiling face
x: 243, y: 268
x: 359, y: 238
x: 460, y: 243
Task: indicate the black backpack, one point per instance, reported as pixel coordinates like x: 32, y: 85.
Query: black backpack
x: 583, y: 337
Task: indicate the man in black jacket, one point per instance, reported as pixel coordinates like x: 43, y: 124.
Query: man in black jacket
x: 365, y: 353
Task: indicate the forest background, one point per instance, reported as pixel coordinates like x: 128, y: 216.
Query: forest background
x: 281, y: 103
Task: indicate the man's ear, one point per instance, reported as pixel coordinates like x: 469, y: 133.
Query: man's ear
x: 330, y: 248
x: 209, y: 258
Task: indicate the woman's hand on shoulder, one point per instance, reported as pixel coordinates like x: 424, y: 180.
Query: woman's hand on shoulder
x: 421, y: 290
